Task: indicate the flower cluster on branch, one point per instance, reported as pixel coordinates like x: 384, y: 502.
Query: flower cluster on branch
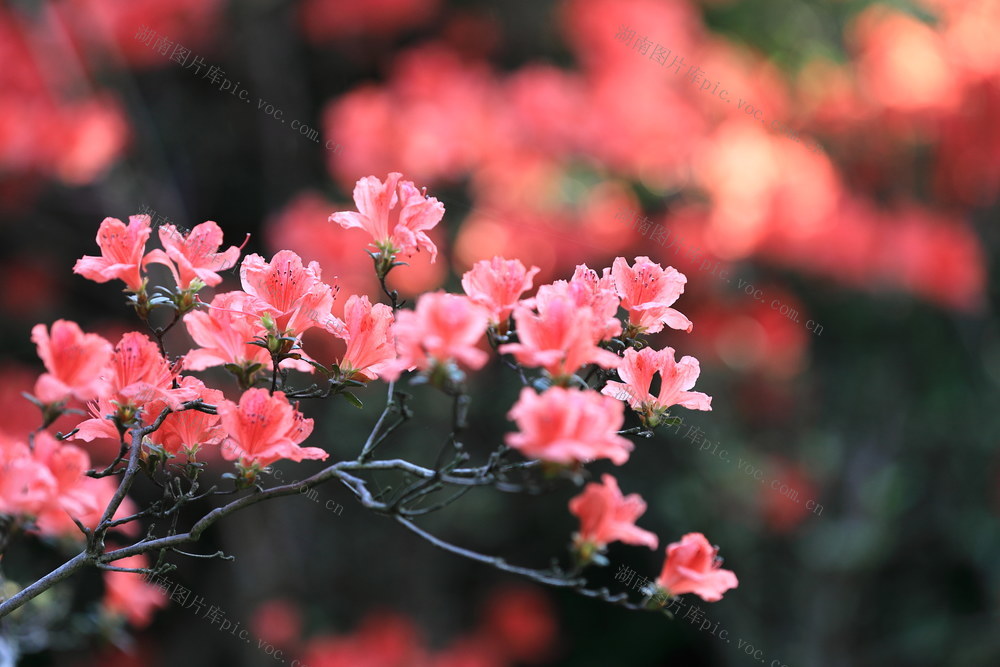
x: 580, y: 365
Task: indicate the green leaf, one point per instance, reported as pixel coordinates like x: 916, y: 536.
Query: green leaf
x: 353, y: 400
x: 317, y: 365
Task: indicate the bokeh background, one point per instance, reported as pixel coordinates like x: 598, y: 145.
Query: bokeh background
x: 866, y: 201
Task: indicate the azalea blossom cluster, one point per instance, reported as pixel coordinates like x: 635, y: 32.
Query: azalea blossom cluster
x: 561, y: 331
x: 167, y: 422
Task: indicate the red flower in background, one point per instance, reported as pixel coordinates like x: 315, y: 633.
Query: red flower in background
x: 128, y: 595
x: 278, y: 622
x: 902, y: 62
x: 109, y: 28
x: 382, y: 640
x: 517, y: 626
x: 520, y: 623
x: 49, y: 126
x: 25, y: 484
x: 48, y: 485
x: 750, y: 336
x: 75, y: 495
x: 325, y: 20
x: 783, y: 500
x: 435, y: 120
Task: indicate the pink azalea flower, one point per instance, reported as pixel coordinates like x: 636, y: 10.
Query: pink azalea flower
x: 190, y: 429
x: 647, y: 291
x: 121, y: 252
x: 497, y: 284
x: 608, y: 516
x: 264, y: 428
x: 98, y: 427
x: 140, y: 374
x: 367, y: 329
x: 224, y: 332
x: 692, y: 567
x: 395, y: 213
x: 676, y: 378
x: 293, y: 295
x: 588, y: 289
x: 75, y: 362
x: 75, y: 495
x: 127, y: 594
x: 561, y: 337
x: 26, y: 484
x: 49, y: 486
x: 442, y: 328
x: 56, y: 520
x: 568, y: 426
x: 194, y: 255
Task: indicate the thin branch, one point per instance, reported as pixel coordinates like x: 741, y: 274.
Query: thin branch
x: 371, y: 443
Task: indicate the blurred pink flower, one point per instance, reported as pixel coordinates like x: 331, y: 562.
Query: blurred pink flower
x: 587, y: 289
x: 520, y: 624
x: 568, y: 426
x: 608, y: 516
x: 26, y: 485
x: 382, y: 640
x: 561, y: 337
x: 442, y: 327
x: 48, y: 485
x: 278, y: 622
x: 127, y: 593
x: 497, y: 284
x: 75, y: 362
x: 324, y: 20
x: 692, y: 567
